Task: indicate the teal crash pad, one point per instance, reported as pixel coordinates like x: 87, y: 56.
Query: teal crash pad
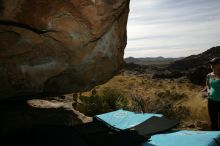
x: 185, y: 138
x: 123, y: 119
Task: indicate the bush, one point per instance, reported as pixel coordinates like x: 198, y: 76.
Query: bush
x: 109, y: 100
x: 165, y: 104
x: 114, y: 99
x: 168, y: 95
x: 167, y: 75
x: 198, y: 75
x: 138, y: 104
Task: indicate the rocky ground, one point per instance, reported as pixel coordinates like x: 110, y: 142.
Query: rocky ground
x: 22, y: 115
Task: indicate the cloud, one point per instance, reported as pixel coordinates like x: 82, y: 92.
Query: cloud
x: 156, y: 27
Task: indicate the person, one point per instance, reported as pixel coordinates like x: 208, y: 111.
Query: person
x: 213, y: 89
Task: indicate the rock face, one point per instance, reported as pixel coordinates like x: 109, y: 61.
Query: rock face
x: 52, y: 47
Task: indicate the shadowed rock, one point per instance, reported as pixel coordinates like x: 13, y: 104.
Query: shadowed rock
x: 20, y: 116
x: 54, y: 47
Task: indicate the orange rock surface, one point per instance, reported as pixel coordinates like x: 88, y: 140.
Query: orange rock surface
x: 53, y: 47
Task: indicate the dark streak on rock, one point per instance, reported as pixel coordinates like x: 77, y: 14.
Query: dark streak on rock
x: 25, y: 26
x: 1, y: 8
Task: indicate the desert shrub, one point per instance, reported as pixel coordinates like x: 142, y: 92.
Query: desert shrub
x: 167, y: 74
x: 168, y: 95
x: 114, y: 99
x: 164, y: 103
x: 198, y: 75
x: 135, y: 67
x: 179, y: 112
x: 109, y: 100
x: 138, y: 104
x: 121, y: 80
x: 143, y: 82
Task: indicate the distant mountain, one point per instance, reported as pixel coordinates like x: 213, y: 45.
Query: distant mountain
x: 150, y: 60
x: 195, y: 61
x: 196, y: 67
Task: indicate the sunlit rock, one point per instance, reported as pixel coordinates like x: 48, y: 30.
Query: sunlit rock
x: 54, y: 47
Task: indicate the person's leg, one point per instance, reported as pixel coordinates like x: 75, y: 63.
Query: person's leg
x: 218, y: 120
x: 218, y: 107
x: 213, y: 114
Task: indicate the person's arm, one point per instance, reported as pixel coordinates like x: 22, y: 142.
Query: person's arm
x: 207, y: 84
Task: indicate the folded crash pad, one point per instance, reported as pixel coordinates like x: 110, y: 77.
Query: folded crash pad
x: 131, y: 134
x: 123, y: 119
x: 154, y: 125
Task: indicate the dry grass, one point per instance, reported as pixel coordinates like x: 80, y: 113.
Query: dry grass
x: 145, y: 91
x: 175, y: 98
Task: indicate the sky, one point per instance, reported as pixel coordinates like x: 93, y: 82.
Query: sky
x: 172, y: 28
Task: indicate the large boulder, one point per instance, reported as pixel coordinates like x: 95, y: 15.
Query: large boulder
x: 52, y: 47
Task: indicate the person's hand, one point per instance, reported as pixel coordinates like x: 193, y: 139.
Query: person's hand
x: 205, y: 94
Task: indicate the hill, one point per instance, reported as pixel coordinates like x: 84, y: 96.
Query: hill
x: 196, y: 67
x: 195, y: 61
x: 150, y: 60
